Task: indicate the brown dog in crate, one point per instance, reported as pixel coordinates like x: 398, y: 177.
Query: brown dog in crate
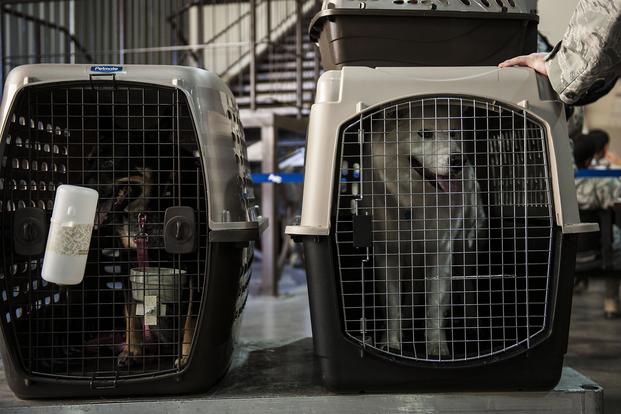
x: 135, y: 188
x: 426, y: 204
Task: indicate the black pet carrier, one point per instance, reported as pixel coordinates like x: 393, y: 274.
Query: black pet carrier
x: 424, y: 32
x: 168, y: 260
x: 440, y: 240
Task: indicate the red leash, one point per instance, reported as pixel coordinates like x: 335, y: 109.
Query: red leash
x: 141, y: 239
x: 142, y: 257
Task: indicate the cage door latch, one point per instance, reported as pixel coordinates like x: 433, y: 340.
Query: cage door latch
x: 30, y: 229
x: 179, y: 230
x: 97, y: 383
x: 93, y: 76
x: 363, y: 231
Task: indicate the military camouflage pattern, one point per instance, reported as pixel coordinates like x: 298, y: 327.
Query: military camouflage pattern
x: 575, y: 123
x: 597, y: 193
x: 588, y: 59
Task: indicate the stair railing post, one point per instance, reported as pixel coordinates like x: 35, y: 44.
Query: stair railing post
x: 268, y: 22
x: 3, y: 48
x: 120, y: 6
x: 201, y: 33
x: 253, y: 54
x: 316, y: 67
x: 37, y: 43
x: 299, y: 55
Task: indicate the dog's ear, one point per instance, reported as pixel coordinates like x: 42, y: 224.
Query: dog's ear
x: 92, y: 156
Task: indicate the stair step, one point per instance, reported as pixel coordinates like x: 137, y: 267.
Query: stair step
x: 286, y: 57
x: 273, y: 98
x: 281, y: 110
x: 292, y: 47
x: 276, y: 87
x: 284, y: 76
x: 284, y: 66
x: 271, y: 77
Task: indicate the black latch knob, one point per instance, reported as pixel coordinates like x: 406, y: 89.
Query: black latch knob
x: 179, y: 230
x: 30, y: 231
x: 179, y: 223
x: 30, y: 227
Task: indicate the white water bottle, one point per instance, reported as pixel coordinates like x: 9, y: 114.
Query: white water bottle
x: 70, y: 235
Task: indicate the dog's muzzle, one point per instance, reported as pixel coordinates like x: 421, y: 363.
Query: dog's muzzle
x: 451, y: 183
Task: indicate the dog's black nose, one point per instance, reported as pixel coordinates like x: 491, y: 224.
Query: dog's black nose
x: 456, y: 163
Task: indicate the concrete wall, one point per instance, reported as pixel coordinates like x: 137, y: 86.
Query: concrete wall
x: 606, y: 114
x: 554, y: 16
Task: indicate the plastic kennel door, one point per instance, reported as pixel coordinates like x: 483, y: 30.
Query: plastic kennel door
x: 440, y: 244
x: 170, y: 250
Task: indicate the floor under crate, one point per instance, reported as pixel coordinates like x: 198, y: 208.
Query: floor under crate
x: 272, y: 374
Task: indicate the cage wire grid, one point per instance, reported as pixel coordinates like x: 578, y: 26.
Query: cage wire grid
x: 458, y: 264
x: 136, y: 145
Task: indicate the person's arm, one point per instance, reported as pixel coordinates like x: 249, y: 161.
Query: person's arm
x: 585, y: 63
x: 613, y: 158
x: 587, y: 58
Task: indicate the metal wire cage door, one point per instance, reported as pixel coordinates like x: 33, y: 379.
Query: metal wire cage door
x: 134, y: 313
x: 443, y: 229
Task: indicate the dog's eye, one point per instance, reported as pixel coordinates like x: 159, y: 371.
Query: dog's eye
x: 425, y: 133
x: 453, y: 134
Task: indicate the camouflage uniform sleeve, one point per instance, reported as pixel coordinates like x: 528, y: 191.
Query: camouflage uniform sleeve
x: 588, y: 58
x: 597, y: 193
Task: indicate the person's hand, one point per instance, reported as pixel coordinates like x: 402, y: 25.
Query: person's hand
x: 535, y: 61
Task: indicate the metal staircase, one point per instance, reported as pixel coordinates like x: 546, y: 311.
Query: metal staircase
x: 277, y: 85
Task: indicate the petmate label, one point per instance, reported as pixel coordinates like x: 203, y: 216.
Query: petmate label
x: 106, y: 69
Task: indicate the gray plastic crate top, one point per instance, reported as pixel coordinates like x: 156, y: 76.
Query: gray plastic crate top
x: 344, y: 95
x: 378, y: 33
x: 485, y: 6
x: 216, y: 118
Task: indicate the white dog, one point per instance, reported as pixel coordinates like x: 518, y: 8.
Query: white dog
x: 426, y: 206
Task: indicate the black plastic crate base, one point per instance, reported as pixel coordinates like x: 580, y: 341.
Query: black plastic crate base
x: 346, y: 366
x: 267, y: 378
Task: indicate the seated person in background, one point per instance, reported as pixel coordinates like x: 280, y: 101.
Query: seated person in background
x: 599, y: 193
x: 603, y: 156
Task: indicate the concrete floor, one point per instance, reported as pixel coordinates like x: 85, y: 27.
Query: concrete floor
x: 594, y: 343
